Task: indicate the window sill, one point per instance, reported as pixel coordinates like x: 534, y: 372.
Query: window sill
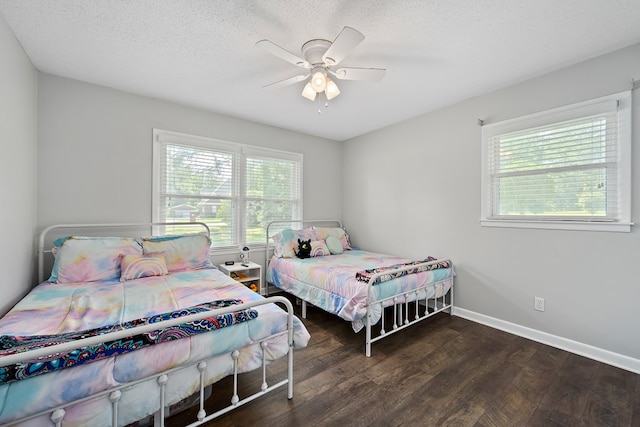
x: 620, y: 227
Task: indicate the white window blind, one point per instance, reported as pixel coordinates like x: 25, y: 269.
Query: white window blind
x: 233, y: 188
x: 566, y: 165
x: 273, y: 191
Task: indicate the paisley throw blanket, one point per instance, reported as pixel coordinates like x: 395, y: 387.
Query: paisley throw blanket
x: 18, y: 344
x: 366, y: 275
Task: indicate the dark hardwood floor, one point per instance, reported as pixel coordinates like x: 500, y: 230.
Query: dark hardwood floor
x: 446, y: 371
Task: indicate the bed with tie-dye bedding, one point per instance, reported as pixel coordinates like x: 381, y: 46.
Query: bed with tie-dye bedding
x: 331, y: 282
x: 58, y: 308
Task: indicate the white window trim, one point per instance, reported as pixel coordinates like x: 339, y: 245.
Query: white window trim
x: 166, y: 136
x: 556, y: 115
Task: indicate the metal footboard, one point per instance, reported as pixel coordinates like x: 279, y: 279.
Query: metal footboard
x: 163, y: 379
x: 400, y: 304
x: 441, y: 300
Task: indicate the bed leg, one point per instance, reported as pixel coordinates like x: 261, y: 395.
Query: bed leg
x: 263, y: 347
x: 368, y: 332
x: 114, y: 397
x: 235, y: 398
x: 290, y: 373
x: 158, y: 417
x: 201, y: 412
x: 304, y: 309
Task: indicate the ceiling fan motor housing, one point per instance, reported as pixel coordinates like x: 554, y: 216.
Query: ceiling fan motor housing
x: 319, y: 56
x: 313, y: 50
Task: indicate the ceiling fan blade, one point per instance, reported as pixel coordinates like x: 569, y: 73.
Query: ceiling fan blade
x: 342, y: 45
x: 351, y: 73
x: 286, y: 82
x: 281, y: 53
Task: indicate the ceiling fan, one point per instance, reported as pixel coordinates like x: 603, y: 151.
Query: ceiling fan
x: 320, y: 57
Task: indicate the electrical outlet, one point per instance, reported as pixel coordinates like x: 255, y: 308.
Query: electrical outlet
x: 538, y: 304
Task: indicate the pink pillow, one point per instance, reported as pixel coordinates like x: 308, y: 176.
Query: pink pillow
x: 138, y: 266
x: 182, y: 253
x: 319, y: 248
x: 90, y: 259
x: 323, y: 232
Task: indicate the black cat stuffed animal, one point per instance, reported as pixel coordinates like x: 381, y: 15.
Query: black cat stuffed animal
x: 304, y: 249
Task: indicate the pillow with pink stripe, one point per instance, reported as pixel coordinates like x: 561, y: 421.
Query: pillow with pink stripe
x: 182, y: 252
x: 139, y: 266
x: 319, y: 248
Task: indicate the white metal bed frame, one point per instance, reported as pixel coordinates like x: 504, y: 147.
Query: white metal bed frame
x: 114, y: 394
x: 400, y: 303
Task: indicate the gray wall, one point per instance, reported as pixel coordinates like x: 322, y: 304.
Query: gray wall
x: 95, y: 144
x: 414, y: 189
x: 411, y: 189
x: 18, y: 167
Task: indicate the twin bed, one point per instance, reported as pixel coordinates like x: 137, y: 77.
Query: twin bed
x: 353, y: 284
x: 138, y: 324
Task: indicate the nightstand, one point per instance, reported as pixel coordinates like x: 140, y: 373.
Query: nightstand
x: 249, y: 275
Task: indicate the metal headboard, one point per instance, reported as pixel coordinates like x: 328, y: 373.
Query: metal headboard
x: 289, y: 223
x: 115, y: 226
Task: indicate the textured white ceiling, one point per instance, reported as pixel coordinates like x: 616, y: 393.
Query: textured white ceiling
x: 202, y: 52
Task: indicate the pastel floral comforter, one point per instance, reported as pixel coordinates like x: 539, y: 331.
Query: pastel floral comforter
x: 70, y: 307
x: 331, y: 282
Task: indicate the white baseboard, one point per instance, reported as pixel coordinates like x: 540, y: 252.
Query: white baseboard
x: 595, y: 353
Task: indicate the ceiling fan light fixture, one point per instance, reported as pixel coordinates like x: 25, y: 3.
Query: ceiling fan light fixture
x: 318, y: 81
x: 332, y: 89
x: 319, y: 57
x: 308, y: 92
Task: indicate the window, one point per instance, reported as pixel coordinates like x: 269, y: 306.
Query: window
x: 235, y: 189
x: 568, y: 168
